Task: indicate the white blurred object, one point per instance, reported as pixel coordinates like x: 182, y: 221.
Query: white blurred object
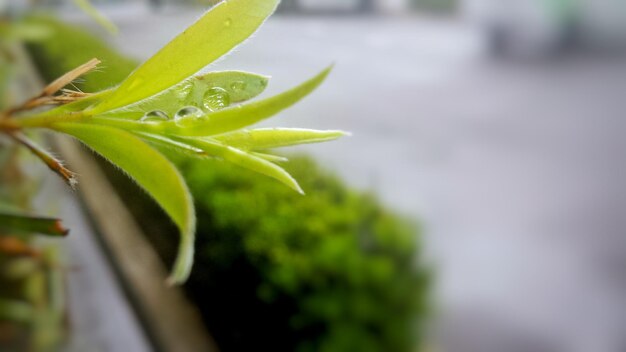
x: 516, y: 27
x: 605, y: 22
x: 336, y: 5
x: 539, y: 27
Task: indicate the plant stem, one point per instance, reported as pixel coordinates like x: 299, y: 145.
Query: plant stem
x: 7, y: 124
x: 50, y: 161
x: 46, y: 120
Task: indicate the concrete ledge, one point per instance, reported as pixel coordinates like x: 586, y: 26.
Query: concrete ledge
x: 170, y: 320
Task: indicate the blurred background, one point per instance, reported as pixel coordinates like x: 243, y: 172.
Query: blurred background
x: 497, y: 125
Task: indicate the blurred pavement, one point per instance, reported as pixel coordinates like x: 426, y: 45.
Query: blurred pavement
x: 100, y: 317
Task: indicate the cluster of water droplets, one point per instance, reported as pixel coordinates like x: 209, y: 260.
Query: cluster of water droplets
x: 214, y: 99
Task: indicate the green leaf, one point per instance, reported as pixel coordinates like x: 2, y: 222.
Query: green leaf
x: 267, y: 138
x: 200, y: 91
x: 5, y: 79
x: 6, y: 205
x: 244, y: 115
x: 270, y: 157
x: 16, y: 311
x: 96, y: 15
x: 23, y: 223
x: 20, y: 31
x: 262, y: 166
x: 164, y: 142
x: 216, y: 33
x: 225, y: 120
x: 152, y: 171
x: 243, y: 159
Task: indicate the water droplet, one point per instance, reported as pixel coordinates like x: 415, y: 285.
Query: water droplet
x: 155, y: 116
x: 188, y: 115
x: 184, y: 90
x: 228, y: 22
x: 216, y: 98
x: 238, y: 85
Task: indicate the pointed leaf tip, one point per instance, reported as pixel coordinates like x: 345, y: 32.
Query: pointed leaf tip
x: 243, y: 159
x: 59, y: 229
x: 268, y: 138
x: 237, y: 117
x: 216, y: 33
x: 24, y: 223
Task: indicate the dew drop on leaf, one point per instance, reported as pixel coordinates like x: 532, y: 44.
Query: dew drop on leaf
x: 184, y: 91
x: 216, y: 98
x: 155, y: 116
x: 238, y: 85
x: 188, y: 115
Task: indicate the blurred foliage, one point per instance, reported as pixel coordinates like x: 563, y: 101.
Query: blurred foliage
x: 330, y: 271
x: 68, y: 47
x: 436, y: 6
x: 32, y: 313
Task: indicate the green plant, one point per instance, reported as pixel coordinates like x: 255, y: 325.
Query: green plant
x: 333, y: 271
x: 330, y: 272
x: 125, y: 123
x: 32, y: 308
x: 276, y: 271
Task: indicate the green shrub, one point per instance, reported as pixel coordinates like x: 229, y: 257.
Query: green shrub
x: 330, y: 271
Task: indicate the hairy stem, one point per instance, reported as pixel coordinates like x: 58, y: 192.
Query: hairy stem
x: 46, y: 120
x: 53, y: 164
